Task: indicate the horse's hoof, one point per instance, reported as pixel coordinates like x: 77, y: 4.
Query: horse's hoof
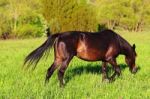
x: 62, y: 85
x: 111, y: 79
x: 106, y: 80
x: 45, y: 83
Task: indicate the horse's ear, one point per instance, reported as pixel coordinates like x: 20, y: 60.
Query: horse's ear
x: 134, y: 46
x: 48, y: 32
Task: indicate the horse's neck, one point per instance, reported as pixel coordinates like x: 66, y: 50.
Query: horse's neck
x: 126, y: 49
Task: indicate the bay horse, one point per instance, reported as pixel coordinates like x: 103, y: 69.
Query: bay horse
x: 102, y: 46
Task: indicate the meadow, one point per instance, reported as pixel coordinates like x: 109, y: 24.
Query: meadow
x: 83, y: 79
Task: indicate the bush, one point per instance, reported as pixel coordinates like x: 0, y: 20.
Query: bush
x: 69, y: 15
x: 34, y: 26
x: 28, y: 31
x: 21, y: 19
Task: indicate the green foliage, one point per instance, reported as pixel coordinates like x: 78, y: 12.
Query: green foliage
x: 84, y: 15
x: 16, y: 15
x: 83, y: 79
x: 69, y: 15
x: 132, y: 15
x: 31, y: 26
x: 28, y: 30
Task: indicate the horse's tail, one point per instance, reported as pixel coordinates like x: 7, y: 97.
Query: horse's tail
x: 36, y: 55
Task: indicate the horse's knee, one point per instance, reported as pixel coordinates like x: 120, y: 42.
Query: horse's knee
x: 118, y: 70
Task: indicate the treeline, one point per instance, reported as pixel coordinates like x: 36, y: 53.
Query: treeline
x: 88, y: 15
x: 69, y: 15
x: 30, y: 18
x: 21, y: 18
x: 131, y: 15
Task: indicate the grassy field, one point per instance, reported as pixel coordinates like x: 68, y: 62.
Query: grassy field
x: 83, y: 79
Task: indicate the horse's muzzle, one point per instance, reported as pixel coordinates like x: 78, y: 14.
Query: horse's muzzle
x: 134, y: 70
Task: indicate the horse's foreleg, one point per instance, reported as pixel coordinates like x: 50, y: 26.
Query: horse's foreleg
x: 62, y: 69
x: 104, y: 71
x: 115, y: 67
x: 50, y: 72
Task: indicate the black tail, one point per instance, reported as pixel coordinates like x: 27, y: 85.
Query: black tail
x: 36, y: 55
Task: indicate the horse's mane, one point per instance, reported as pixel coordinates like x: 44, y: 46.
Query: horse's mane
x: 124, y: 45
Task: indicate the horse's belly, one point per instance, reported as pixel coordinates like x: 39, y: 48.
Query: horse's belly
x: 90, y: 55
x: 87, y: 52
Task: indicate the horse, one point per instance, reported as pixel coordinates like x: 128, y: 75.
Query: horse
x: 102, y: 46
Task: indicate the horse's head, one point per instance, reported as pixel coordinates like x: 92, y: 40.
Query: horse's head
x: 130, y: 60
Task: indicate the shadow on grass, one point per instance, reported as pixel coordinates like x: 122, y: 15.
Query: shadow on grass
x: 89, y: 68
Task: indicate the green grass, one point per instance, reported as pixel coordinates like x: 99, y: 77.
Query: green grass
x: 83, y: 79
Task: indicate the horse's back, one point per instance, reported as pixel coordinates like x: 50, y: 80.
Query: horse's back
x: 89, y: 46
x: 97, y: 46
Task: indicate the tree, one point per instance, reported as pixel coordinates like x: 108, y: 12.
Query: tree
x: 132, y: 15
x: 69, y: 15
x: 21, y: 18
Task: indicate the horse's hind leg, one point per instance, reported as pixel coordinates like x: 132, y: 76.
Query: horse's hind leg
x: 50, y: 71
x: 115, y: 67
x: 62, y: 69
x: 104, y: 71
